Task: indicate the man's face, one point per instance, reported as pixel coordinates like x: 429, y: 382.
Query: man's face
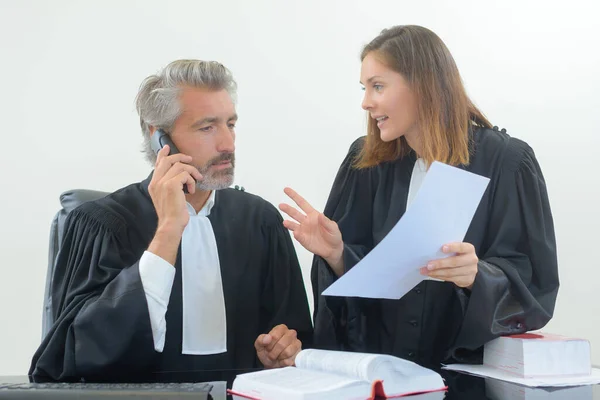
x: 205, y: 130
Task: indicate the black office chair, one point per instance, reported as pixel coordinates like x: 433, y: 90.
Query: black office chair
x: 69, y: 200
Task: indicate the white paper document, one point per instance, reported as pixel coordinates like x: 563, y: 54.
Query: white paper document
x: 440, y: 213
x: 555, y: 381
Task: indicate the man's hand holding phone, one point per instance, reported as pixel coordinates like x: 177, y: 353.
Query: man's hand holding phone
x: 171, y: 173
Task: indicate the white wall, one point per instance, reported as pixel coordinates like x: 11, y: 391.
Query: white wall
x: 70, y: 70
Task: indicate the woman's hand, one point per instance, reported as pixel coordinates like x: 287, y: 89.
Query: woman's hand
x: 460, y: 268
x: 314, y: 231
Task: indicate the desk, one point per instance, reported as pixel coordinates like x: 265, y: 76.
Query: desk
x: 460, y: 386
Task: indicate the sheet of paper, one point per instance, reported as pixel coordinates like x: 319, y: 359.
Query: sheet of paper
x: 440, y: 213
x: 484, y: 370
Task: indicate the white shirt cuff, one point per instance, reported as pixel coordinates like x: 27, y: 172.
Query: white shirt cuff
x: 157, y: 277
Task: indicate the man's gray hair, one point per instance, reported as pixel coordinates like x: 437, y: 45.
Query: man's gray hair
x: 157, y: 101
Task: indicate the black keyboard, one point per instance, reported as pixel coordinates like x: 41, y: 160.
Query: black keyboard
x: 105, y: 390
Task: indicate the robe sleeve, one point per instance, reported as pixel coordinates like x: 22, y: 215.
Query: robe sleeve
x: 102, y: 326
x: 339, y: 321
x: 284, y: 299
x: 517, y: 281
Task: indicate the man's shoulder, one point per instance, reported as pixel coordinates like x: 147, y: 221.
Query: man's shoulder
x: 248, y: 204
x: 118, y: 209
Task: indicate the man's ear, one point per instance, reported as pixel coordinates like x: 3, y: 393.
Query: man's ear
x: 152, y: 129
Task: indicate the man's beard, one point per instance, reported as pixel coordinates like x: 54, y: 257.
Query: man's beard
x: 219, y: 179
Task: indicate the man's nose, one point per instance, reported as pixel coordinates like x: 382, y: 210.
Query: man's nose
x: 226, y: 141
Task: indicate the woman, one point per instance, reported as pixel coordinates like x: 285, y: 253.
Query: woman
x: 502, y: 280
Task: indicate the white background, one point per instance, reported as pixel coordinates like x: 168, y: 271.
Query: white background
x: 70, y: 71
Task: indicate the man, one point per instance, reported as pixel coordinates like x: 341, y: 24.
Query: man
x: 153, y: 283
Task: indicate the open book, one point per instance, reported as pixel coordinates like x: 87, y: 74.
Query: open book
x: 322, y: 374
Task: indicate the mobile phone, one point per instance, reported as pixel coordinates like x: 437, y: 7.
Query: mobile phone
x: 158, y: 140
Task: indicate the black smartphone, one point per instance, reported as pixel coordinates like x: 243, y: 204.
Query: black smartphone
x: 158, y: 140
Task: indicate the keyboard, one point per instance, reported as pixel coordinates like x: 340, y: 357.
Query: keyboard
x: 56, y: 390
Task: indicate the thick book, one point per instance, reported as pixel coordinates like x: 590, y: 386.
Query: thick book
x: 322, y: 374
x: 539, y: 354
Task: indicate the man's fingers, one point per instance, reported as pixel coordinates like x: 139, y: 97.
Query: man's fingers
x: 278, y: 348
x: 261, y: 341
x: 165, y: 162
x: 179, y: 167
x: 299, y: 200
x: 191, y: 186
x: 288, y: 362
x: 172, y: 159
x: 182, y: 174
x: 291, y: 351
x: 188, y: 180
x: 260, y: 344
x: 276, y: 334
x: 160, y: 167
x: 287, y: 340
x: 292, y: 212
x: 178, y: 181
x: 162, y: 153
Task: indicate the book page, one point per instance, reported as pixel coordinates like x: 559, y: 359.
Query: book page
x: 399, y: 376
x: 352, y: 365
x: 295, y: 380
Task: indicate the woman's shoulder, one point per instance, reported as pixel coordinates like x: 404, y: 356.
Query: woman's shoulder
x: 497, y: 146
x: 357, y: 146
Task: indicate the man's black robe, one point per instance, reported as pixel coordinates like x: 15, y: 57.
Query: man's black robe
x: 102, y: 330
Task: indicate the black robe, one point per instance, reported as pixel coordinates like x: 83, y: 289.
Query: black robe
x: 102, y: 330
x: 517, y: 281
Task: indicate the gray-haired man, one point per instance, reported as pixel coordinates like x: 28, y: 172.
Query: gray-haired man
x: 156, y: 280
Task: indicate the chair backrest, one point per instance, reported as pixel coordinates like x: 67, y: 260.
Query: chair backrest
x: 69, y: 201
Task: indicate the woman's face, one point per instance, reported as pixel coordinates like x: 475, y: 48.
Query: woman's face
x: 389, y: 100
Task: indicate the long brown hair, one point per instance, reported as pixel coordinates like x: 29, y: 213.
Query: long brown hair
x: 444, y: 111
